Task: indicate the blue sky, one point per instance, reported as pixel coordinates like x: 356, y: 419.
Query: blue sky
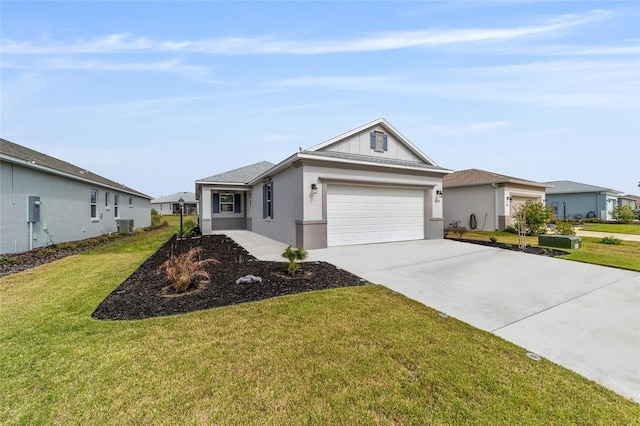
x: 158, y: 94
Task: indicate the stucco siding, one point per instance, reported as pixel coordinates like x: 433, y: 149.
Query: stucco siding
x: 581, y: 205
x: 460, y: 203
x: 287, y: 198
x: 65, y: 211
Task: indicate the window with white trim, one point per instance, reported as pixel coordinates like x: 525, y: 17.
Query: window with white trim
x: 116, y: 200
x: 94, y: 204
x: 226, y: 203
x: 106, y: 199
x: 267, y: 200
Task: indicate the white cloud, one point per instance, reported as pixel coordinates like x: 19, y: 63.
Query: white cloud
x: 390, y: 40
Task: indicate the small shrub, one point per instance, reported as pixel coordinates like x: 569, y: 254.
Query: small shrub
x: 458, y: 230
x: 610, y: 240
x: 67, y: 246
x: 544, y: 250
x: 493, y: 239
x: 564, y: 228
x: 7, y: 261
x: 156, y: 219
x: 511, y: 229
x: 623, y: 214
x: 294, y: 255
x: 44, y: 252
x: 508, y: 246
x: 181, y: 270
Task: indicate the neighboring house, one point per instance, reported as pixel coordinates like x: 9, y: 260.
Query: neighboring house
x: 575, y: 201
x: 47, y: 201
x: 629, y: 200
x: 477, y: 199
x: 368, y: 185
x: 170, y: 204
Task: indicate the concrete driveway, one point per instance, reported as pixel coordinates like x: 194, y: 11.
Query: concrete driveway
x: 583, y: 317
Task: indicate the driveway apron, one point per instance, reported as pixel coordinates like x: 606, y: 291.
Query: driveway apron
x: 583, y: 317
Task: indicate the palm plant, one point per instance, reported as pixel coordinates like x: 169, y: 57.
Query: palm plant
x: 294, y: 255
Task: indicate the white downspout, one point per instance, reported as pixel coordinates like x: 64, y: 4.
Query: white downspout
x: 30, y: 235
x: 495, y: 207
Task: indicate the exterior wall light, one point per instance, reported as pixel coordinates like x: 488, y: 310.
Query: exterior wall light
x: 314, y: 188
x: 438, y: 195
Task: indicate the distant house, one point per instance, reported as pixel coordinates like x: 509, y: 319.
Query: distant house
x: 368, y: 185
x: 575, y: 201
x: 48, y: 201
x: 170, y: 204
x: 632, y: 201
x: 478, y: 199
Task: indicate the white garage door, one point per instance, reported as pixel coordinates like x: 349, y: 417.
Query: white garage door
x: 365, y: 214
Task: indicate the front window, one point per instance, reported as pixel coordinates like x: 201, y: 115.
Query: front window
x: 130, y: 201
x: 226, y: 203
x: 94, y: 204
x: 106, y: 199
x: 116, y: 199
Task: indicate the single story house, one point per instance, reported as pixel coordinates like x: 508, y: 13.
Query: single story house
x: 478, y: 199
x: 170, y: 204
x: 575, y: 200
x: 47, y: 201
x: 368, y: 185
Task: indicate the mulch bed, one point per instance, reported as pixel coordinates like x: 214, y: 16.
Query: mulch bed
x: 148, y: 293
x: 542, y: 251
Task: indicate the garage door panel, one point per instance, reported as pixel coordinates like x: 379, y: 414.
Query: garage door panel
x: 362, y: 214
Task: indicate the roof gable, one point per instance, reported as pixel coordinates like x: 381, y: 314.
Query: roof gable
x: 27, y: 157
x: 356, y: 144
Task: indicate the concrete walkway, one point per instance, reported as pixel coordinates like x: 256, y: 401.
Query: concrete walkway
x: 583, y: 317
x: 597, y: 234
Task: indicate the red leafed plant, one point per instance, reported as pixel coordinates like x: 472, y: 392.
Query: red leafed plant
x: 183, y: 269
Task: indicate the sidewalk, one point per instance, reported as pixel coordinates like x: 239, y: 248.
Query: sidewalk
x: 595, y: 234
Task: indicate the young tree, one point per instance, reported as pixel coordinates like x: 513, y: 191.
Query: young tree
x: 537, y: 217
x: 624, y: 214
x: 520, y: 217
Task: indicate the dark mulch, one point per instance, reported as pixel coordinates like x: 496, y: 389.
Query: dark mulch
x: 147, y: 293
x: 542, y: 251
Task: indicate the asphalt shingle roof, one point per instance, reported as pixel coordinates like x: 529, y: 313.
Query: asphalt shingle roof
x: 372, y: 159
x: 477, y: 176
x: 567, y: 186
x: 188, y: 197
x: 241, y: 175
x: 33, y: 158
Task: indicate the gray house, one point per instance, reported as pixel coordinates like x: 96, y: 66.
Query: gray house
x: 478, y: 199
x: 575, y: 201
x: 47, y: 201
x: 170, y: 204
x: 368, y: 185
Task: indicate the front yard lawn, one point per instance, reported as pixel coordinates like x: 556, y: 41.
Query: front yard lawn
x: 632, y: 228
x: 624, y: 256
x: 358, y: 355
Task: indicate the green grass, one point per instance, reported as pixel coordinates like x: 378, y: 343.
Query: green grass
x: 633, y: 229
x: 361, y: 355
x: 624, y: 256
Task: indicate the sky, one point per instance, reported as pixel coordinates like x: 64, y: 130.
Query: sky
x: 156, y: 95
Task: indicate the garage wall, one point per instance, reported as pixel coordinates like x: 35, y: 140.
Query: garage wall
x: 461, y: 202
x: 314, y: 204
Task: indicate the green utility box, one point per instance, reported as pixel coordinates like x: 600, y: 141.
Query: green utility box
x: 559, y: 241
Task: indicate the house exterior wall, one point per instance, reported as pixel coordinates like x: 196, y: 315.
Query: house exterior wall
x: 488, y: 202
x: 210, y: 221
x: 162, y: 208
x: 360, y: 144
x: 583, y: 205
x: 288, y: 206
x: 461, y: 202
x: 312, y: 229
x: 65, y: 211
